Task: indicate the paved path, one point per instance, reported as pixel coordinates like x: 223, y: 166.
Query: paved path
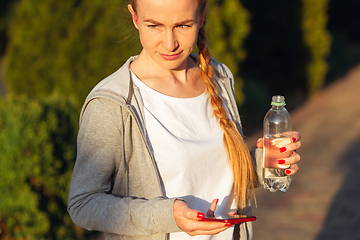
x: 323, y: 202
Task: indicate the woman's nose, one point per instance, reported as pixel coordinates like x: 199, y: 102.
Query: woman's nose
x: 170, y: 42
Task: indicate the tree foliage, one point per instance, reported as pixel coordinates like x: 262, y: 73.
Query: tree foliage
x: 66, y: 46
x: 37, y: 152
x: 318, y: 39
x: 228, y: 26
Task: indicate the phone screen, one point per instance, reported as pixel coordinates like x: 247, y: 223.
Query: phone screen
x: 230, y: 219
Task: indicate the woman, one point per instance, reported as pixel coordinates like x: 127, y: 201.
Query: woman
x: 159, y: 144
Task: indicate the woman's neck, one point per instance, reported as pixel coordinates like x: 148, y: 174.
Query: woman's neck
x: 184, y: 82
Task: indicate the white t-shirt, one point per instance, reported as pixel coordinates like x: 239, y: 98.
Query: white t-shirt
x: 187, y: 143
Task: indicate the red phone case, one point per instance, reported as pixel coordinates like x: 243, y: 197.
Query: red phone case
x: 232, y: 219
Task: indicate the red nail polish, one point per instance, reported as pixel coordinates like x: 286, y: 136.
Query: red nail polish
x: 228, y: 224
x: 287, y: 171
x: 281, y: 161
x: 293, y: 139
x: 200, y: 215
x: 217, y: 200
x: 283, y: 149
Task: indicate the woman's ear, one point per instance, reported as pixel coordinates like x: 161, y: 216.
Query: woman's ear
x: 202, y: 18
x: 134, y: 16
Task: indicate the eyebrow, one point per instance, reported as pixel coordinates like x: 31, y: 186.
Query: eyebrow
x: 178, y: 23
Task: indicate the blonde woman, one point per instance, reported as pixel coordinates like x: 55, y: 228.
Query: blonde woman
x: 159, y: 144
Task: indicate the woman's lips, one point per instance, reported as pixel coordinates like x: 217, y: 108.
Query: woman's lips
x: 170, y: 57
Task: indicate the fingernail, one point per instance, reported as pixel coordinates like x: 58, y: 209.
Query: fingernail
x: 287, y: 171
x: 217, y: 200
x: 293, y: 139
x: 228, y: 224
x: 200, y: 215
x: 283, y: 149
x: 281, y: 161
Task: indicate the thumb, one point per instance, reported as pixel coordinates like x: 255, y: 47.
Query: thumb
x: 195, y: 215
x: 260, y: 143
x: 181, y: 208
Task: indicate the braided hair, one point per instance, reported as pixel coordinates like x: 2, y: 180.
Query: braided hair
x: 237, y: 152
x: 236, y: 149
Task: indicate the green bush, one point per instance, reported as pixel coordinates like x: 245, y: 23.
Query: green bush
x: 66, y: 46
x: 37, y: 152
x: 228, y: 26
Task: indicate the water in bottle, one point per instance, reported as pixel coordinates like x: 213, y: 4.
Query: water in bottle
x: 277, y: 134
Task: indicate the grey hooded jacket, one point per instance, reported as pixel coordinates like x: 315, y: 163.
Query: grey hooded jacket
x: 115, y: 186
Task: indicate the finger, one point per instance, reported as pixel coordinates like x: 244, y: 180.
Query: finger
x: 294, y: 168
x: 285, y: 162
x: 183, y: 211
x: 188, y: 220
x: 281, y: 142
x: 210, y: 232
x: 192, y: 214
x: 204, y: 226
x: 211, y: 211
x: 290, y: 147
x: 295, y: 136
x: 232, y: 213
x: 260, y: 143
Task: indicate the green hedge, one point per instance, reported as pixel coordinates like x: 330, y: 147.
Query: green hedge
x: 37, y: 153
x: 227, y: 28
x: 66, y: 46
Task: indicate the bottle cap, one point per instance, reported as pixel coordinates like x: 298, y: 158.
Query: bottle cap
x: 278, y: 100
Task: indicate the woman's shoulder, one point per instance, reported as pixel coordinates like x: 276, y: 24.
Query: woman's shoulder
x: 113, y: 90
x: 221, y: 69
x: 117, y: 82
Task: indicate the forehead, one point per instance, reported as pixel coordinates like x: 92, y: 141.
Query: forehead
x: 167, y: 10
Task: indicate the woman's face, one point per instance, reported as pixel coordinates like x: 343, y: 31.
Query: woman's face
x: 168, y: 30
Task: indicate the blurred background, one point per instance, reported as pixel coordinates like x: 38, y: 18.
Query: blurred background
x: 53, y: 52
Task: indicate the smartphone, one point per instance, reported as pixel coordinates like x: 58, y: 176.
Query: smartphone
x: 230, y: 219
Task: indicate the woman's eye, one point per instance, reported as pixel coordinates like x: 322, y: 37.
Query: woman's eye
x: 183, y: 26
x: 152, y: 26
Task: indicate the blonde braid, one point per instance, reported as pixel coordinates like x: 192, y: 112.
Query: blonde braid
x: 237, y: 152
x: 236, y: 149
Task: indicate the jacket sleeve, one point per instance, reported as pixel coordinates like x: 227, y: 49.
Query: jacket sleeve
x: 91, y: 204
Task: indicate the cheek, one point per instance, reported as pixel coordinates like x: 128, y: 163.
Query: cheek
x: 148, y: 40
x: 190, y: 39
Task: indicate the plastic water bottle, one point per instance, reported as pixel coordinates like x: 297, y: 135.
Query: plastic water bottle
x: 277, y: 134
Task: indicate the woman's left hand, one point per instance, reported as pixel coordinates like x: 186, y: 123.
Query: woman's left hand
x: 289, y: 147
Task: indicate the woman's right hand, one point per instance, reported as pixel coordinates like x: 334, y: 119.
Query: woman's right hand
x: 189, y: 220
